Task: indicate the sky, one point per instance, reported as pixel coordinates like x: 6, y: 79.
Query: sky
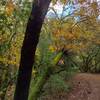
x: 59, y: 8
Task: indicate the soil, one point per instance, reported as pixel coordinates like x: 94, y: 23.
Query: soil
x: 84, y: 87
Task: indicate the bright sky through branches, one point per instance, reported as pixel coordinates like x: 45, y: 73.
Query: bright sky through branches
x: 58, y: 7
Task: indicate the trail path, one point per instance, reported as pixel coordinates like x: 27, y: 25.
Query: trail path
x: 85, y: 87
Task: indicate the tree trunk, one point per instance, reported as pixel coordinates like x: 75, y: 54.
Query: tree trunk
x: 39, y: 10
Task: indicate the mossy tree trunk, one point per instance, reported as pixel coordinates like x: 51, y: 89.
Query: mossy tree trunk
x: 39, y: 10
x: 41, y: 80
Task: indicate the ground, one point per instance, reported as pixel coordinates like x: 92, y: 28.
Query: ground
x: 84, y: 87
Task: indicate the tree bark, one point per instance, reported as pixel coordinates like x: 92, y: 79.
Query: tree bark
x: 39, y: 10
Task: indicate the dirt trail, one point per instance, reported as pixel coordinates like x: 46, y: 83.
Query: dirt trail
x: 85, y: 87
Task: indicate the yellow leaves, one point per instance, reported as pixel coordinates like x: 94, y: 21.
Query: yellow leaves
x: 75, y: 47
x: 75, y: 36
x: 68, y: 39
x: 64, y: 1
x: 6, y: 61
x: 61, y: 34
x: 12, y: 55
x: 52, y: 48
x: 3, y: 38
x: 82, y: 11
x: 82, y: 45
x: 71, y: 46
x: 70, y: 36
x: 57, y: 58
x: 9, y: 8
x: 66, y: 34
x: 56, y: 32
x: 97, y: 42
x: 94, y: 5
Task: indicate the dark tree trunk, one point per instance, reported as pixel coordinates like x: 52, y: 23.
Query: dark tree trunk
x: 39, y: 10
